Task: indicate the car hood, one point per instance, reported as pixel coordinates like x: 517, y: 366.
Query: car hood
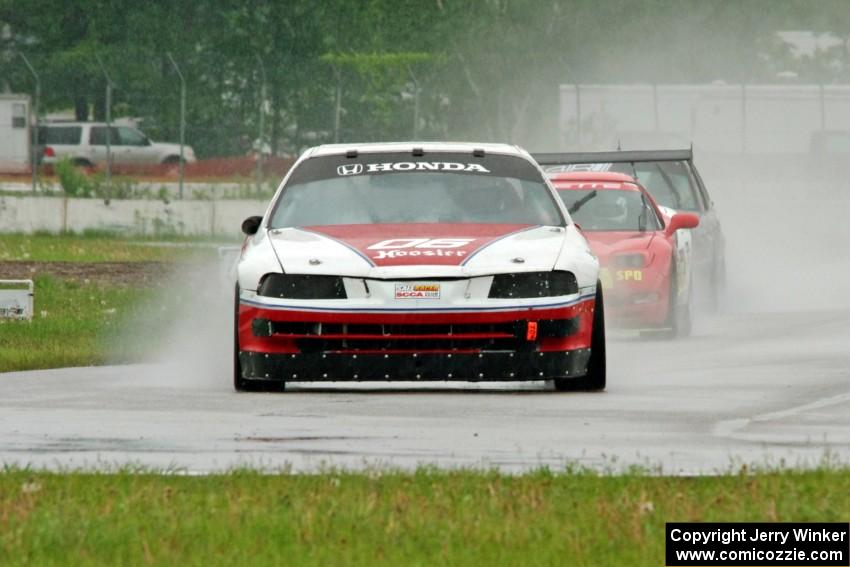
x: 604, y: 243
x: 417, y: 250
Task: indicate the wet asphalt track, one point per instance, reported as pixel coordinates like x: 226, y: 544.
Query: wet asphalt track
x: 764, y: 389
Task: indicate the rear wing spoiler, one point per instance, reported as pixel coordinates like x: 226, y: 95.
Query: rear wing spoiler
x: 613, y: 157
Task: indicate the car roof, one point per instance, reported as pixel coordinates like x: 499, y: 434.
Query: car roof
x: 386, y: 147
x: 607, y: 176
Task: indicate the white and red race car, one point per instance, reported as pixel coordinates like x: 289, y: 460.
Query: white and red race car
x: 426, y: 261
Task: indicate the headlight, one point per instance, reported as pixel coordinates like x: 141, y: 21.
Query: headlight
x: 533, y: 284
x: 630, y: 261
x: 297, y: 286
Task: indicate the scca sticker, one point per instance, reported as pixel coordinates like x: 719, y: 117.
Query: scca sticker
x: 356, y: 168
x: 417, y: 291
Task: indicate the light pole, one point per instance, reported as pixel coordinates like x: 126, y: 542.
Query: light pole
x: 415, y: 103
x: 34, y: 135
x: 182, y: 118
x: 108, y: 128
x: 337, y: 104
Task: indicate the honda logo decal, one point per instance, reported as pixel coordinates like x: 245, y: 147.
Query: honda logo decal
x: 350, y: 169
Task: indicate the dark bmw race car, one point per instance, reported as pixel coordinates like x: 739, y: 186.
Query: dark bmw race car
x: 644, y: 257
x: 417, y: 262
x: 672, y: 179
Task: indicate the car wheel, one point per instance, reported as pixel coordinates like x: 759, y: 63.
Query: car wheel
x: 679, y: 320
x: 83, y: 164
x: 595, y: 379
x: 171, y: 166
x: 240, y: 384
x: 718, y: 287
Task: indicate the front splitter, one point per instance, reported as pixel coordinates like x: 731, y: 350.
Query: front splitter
x: 473, y: 367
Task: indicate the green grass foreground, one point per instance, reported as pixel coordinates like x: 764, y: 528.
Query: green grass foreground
x: 421, y: 518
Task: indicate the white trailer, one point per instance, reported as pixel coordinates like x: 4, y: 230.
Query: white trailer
x: 15, y: 132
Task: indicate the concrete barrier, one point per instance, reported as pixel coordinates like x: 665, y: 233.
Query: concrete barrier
x: 137, y: 217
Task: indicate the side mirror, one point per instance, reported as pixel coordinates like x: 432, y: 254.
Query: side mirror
x: 251, y: 225
x: 681, y: 220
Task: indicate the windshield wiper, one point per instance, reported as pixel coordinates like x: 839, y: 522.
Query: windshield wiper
x: 580, y: 203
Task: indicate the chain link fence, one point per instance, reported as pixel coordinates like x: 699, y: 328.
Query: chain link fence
x: 743, y: 119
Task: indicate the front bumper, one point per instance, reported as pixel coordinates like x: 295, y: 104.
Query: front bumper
x: 631, y: 304
x: 522, y: 343
x: 623, y: 313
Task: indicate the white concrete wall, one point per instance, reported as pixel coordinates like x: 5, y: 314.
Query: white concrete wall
x: 142, y: 217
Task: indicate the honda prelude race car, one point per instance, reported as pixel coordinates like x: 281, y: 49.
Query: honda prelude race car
x: 427, y: 261
x: 645, y: 259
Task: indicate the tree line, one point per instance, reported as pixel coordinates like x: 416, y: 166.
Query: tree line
x: 362, y: 70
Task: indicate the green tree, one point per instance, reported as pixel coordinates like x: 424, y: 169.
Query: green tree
x: 486, y: 69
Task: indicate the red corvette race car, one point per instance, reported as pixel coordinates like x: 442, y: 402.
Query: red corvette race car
x: 644, y: 257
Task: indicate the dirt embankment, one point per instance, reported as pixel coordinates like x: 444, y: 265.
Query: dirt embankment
x: 145, y: 274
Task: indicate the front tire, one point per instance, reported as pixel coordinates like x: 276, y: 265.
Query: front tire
x: 595, y: 378
x: 717, y: 293
x: 83, y: 165
x: 240, y: 384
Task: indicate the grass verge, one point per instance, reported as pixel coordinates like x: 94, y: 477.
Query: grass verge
x: 74, y: 325
x: 87, y: 288
x: 422, y: 518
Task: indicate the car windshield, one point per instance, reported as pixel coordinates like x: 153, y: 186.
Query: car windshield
x: 609, y: 209
x: 669, y: 182
x: 394, y: 188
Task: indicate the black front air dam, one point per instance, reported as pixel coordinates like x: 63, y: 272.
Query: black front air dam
x: 472, y: 367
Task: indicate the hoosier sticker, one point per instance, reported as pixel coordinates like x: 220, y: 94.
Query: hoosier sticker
x: 417, y: 291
